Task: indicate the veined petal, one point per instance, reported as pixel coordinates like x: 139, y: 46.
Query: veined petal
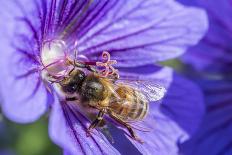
x: 216, y: 125
x: 142, y: 32
x: 213, y: 54
x: 68, y: 127
x: 134, y: 32
x: 184, y: 103
x: 24, y: 96
x: 23, y: 100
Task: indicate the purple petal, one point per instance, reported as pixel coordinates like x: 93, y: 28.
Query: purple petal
x: 214, y: 51
x: 142, y: 32
x: 24, y: 97
x: 125, y: 29
x: 184, y: 103
x: 68, y: 127
x: 216, y: 125
x: 20, y: 104
x: 135, y: 33
x: 65, y: 152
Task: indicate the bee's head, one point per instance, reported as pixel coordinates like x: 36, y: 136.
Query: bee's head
x: 73, y: 82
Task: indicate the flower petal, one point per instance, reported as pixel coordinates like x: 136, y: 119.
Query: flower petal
x: 116, y: 25
x: 68, y: 127
x: 184, y: 103
x: 142, y: 32
x: 216, y: 125
x: 24, y: 98
x: 214, y: 51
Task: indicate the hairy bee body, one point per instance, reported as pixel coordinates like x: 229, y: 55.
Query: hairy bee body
x: 122, y: 100
x: 131, y: 104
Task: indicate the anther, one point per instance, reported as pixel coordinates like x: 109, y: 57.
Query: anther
x: 107, y: 63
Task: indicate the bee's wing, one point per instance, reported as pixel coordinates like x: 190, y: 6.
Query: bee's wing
x: 150, y: 89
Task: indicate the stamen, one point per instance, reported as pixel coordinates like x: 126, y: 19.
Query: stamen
x: 52, y: 51
x: 54, y: 41
x: 54, y: 63
x: 107, y: 64
x: 54, y: 59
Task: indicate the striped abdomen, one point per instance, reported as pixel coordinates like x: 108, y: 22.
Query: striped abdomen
x: 130, y: 104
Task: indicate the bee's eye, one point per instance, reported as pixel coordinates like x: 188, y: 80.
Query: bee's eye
x: 73, y: 87
x: 72, y: 83
x: 78, y: 76
x: 70, y: 88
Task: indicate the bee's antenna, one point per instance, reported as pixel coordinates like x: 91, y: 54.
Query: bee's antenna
x: 75, y: 57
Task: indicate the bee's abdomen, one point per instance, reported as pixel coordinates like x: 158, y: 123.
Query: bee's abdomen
x: 138, y: 107
x: 133, y: 104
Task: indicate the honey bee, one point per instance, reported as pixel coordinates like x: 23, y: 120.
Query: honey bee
x: 103, y: 90
x: 121, y: 100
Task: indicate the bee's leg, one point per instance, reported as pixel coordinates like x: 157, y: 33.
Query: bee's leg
x: 106, y: 132
x: 71, y: 71
x: 97, y: 121
x: 114, y: 77
x: 71, y: 98
x: 126, y: 125
x: 89, y: 67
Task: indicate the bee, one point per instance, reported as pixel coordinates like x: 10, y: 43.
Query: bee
x: 102, y: 90
x: 121, y: 100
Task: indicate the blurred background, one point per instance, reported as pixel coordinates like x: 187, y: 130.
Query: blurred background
x: 28, y: 139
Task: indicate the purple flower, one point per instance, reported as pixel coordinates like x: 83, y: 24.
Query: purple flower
x: 211, y: 59
x: 214, y: 53
x: 40, y: 36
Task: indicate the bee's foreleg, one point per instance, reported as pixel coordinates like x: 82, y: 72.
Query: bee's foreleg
x: 126, y: 125
x: 113, y: 77
x: 71, y: 99
x: 97, y: 121
x: 82, y: 65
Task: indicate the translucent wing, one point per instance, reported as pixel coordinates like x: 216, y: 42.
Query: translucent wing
x: 150, y: 89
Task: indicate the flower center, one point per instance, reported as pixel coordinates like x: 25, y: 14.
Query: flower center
x: 56, y: 64
x: 53, y: 51
x: 54, y: 57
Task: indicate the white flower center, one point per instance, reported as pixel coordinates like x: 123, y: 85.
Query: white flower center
x: 52, y: 52
x: 53, y: 57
